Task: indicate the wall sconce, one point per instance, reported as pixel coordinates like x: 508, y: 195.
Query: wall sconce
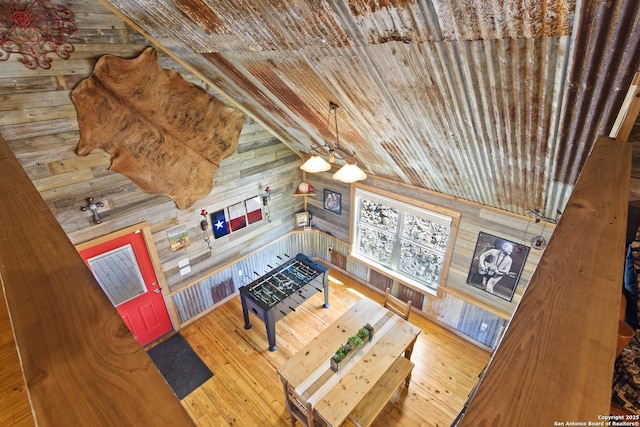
x: 35, y: 29
x: 540, y: 242
x: 204, y: 226
x: 265, y: 202
x: 350, y: 172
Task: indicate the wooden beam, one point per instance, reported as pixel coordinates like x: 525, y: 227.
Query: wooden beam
x: 555, y: 361
x: 628, y: 113
x: 80, y: 363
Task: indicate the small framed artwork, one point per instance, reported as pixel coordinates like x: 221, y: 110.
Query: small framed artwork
x: 497, y: 265
x: 178, y: 237
x: 302, y: 219
x: 332, y: 201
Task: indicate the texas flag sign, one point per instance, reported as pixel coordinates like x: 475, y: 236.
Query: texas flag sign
x: 238, y: 216
x: 219, y: 224
x: 254, y: 209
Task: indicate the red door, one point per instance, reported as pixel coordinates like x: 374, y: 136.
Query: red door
x: 123, y: 269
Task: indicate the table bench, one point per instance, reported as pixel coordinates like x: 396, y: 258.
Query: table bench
x: 363, y: 385
x: 375, y: 400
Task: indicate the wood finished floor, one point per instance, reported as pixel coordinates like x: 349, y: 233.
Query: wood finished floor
x: 246, y: 391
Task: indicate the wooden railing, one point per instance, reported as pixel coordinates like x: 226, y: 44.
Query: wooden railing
x: 81, y: 365
x: 555, y: 361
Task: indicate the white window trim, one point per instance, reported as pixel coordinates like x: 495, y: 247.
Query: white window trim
x: 413, y: 206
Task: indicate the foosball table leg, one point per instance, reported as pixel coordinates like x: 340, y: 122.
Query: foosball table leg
x: 270, y: 323
x: 325, y: 286
x: 245, y: 313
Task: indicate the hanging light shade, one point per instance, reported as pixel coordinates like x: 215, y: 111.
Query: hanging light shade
x: 350, y: 173
x: 316, y: 164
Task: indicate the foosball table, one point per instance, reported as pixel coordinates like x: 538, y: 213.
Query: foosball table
x: 281, y: 290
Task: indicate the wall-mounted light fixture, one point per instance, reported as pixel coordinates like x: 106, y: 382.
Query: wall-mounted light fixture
x: 33, y: 30
x: 204, y: 226
x: 265, y: 202
x: 348, y: 173
x: 539, y: 241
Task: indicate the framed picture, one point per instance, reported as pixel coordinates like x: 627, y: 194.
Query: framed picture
x: 332, y: 201
x: 497, y: 265
x: 302, y: 219
x: 237, y: 216
x: 178, y: 238
x: 220, y: 224
x: 254, y: 209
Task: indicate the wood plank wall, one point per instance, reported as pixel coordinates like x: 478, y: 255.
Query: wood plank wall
x: 325, y: 220
x: 80, y: 363
x: 39, y: 122
x: 555, y: 362
x: 462, y: 307
x: 474, y: 219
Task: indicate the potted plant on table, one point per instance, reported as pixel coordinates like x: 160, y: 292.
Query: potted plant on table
x: 348, y: 349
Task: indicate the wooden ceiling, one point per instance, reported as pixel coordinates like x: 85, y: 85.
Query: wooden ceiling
x: 490, y: 101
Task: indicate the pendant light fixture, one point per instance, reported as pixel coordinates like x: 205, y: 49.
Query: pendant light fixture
x: 348, y: 173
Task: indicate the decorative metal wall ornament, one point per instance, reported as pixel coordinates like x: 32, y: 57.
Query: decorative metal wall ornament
x: 93, y: 207
x: 34, y: 30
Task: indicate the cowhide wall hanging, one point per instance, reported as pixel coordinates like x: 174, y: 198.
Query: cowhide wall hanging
x: 165, y: 134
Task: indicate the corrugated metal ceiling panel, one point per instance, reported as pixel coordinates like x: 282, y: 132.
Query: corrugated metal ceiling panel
x: 468, y: 98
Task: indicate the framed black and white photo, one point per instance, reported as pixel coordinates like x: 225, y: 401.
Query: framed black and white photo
x: 302, y: 219
x: 497, y: 265
x: 332, y: 201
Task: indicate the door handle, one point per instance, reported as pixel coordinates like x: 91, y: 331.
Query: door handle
x: 157, y: 291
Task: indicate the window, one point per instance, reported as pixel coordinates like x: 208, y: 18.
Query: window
x: 405, y: 241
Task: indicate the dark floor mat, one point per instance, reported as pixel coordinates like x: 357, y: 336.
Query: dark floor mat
x: 180, y: 365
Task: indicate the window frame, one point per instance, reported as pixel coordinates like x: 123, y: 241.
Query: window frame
x: 413, y: 206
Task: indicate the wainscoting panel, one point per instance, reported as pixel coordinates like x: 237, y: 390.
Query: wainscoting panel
x: 198, y: 299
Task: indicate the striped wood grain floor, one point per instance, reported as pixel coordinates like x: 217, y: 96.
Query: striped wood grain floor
x: 246, y: 391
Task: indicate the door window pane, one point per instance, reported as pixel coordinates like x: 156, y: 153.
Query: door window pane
x: 118, y: 274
